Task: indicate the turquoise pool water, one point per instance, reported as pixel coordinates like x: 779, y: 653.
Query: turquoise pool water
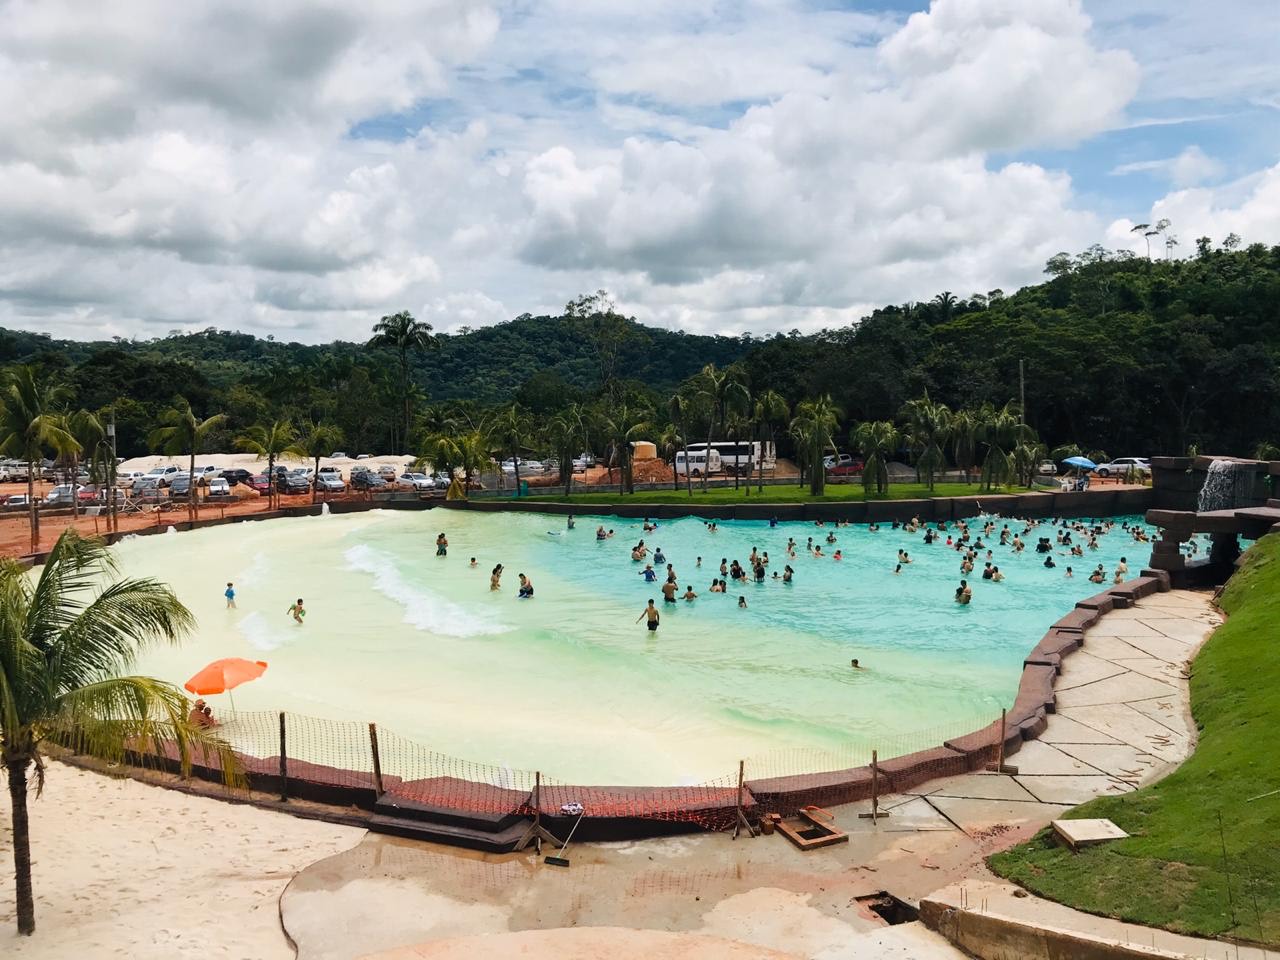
x: 569, y: 683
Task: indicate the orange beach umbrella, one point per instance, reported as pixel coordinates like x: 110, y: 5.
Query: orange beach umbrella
x: 223, y: 675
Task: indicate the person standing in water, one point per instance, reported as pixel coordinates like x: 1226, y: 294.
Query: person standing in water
x: 230, y: 594
x: 652, y: 613
x: 495, y: 578
x: 442, y: 546
x: 526, y: 588
x: 297, y: 612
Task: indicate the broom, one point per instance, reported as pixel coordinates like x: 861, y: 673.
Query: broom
x: 564, y: 861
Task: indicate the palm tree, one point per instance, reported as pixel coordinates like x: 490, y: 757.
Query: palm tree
x: 964, y: 440
x: 877, y: 441
x: 511, y: 430
x: 89, y: 435
x: 402, y: 333
x: 624, y: 424
x: 723, y: 390
x: 736, y: 425
x: 315, y: 440
x: 270, y: 442
x: 29, y: 425
x: 564, y: 430
x: 1001, y: 431
x: 814, y: 427
x: 183, y: 433
x: 670, y: 442
x: 771, y: 409
x: 944, y: 303
x: 928, y: 429
x: 678, y: 407
x: 65, y: 639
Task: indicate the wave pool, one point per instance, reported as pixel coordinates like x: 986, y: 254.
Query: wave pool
x: 569, y: 683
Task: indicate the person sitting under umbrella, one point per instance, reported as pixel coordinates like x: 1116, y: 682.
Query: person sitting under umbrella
x: 201, y: 715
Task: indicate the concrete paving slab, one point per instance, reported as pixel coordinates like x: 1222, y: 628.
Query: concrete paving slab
x: 1177, y: 599
x: 1108, y: 647
x: 1188, y: 631
x: 1072, y: 790
x: 911, y: 814
x: 1167, y: 711
x: 973, y: 815
x: 1038, y: 757
x: 1063, y: 729
x: 1114, y: 626
x: 1120, y: 760
x: 1135, y: 728
x: 1154, y: 668
x: 1087, y: 832
x: 978, y: 786
x: 1081, y: 668
x: 1163, y: 648
x: 1118, y: 689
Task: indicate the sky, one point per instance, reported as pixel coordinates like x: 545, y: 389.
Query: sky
x: 298, y: 169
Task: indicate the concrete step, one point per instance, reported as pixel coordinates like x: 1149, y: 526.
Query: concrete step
x: 501, y: 841
x: 402, y: 808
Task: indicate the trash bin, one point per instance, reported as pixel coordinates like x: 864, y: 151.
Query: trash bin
x: 524, y: 489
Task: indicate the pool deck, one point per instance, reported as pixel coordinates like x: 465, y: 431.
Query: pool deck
x: 1121, y: 720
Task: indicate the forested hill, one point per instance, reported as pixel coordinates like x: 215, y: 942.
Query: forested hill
x: 1121, y: 353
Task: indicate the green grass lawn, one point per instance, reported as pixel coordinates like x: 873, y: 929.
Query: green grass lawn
x: 1172, y: 872
x: 783, y: 493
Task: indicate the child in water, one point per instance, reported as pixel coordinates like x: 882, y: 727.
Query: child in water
x: 297, y: 612
x: 230, y: 594
x: 442, y: 546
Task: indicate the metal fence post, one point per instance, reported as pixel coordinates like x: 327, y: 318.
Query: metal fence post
x: 284, y: 764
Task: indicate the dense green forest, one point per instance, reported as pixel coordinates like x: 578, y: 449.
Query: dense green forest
x: 1121, y: 354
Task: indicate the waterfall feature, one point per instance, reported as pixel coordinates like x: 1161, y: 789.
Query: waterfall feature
x: 1227, y: 485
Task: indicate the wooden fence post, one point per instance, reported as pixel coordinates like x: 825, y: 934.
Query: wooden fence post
x: 284, y: 764
x: 377, y: 761
x: 876, y: 812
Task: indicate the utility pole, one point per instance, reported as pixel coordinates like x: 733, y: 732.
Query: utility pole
x: 114, y: 524
x: 1022, y: 393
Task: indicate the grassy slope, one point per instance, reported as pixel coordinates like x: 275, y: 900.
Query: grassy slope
x: 783, y: 493
x: 1170, y: 872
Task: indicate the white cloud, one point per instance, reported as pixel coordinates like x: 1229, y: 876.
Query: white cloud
x: 1190, y: 167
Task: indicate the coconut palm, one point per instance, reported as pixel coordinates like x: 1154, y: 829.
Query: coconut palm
x: 625, y: 423
x: 511, y: 430
x: 564, y: 431
x: 964, y: 441
x: 814, y: 427
x: 90, y: 436
x: 737, y: 425
x: 723, y: 390
x: 679, y: 409
x: 877, y: 441
x: 447, y: 453
x: 65, y: 640
x: 183, y: 433
x: 1001, y: 431
x: 405, y: 335
x: 315, y: 440
x: 928, y: 427
x: 771, y: 409
x: 268, y: 442
x: 30, y: 425
x: 670, y: 443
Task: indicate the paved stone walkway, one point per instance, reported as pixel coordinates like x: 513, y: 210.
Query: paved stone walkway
x: 1122, y: 721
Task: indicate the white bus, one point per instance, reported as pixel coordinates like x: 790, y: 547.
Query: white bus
x: 741, y: 456
x: 699, y: 462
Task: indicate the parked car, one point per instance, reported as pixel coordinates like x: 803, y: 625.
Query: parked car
x: 219, y: 487
x: 163, y: 475
x: 293, y: 483
x: 417, y: 481
x: 837, y: 460
x: 145, y: 484
x: 236, y: 476
x: 206, y: 473
x: 387, y: 472
x: 1047, y: 468
x: 1122, y: 465
x: 260, y: 483
x: 330, y: 472
x: 329, y: 482
x: 62, y: 494
x: 364, y: 480
x: 579, y: 465
x: 18, y: 501
x: 180, y: 485
x: 851, y: 468
x: 338, y: 455
x: 363, y: 456
x: 126, y: 478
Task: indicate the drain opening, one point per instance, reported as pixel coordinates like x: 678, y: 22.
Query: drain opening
x: 889, y: 908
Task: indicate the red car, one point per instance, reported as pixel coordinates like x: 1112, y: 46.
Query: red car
x: 851, y: 469
x: 260, y: 484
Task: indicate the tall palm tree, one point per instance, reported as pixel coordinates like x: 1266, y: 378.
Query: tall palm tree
x: 315, y: 440
x: 268, y: 442
x: 771, y: 409
x: 183, y: 433
x: 722, y: 390
x: 737, y: 424
x: 405, y: 335
x: 964, y: 440
x: 678, y: 407
x: 89, y: 434
x: 30, y: 425
x: 944, y: 303
x: 670, y: 443
x: 564, y: 431
x: 510, y: 430
x: 928, y: 427
x: 626, y: 423
x: 814, y: 427
x: 877, y: 441
x: 1001, y: 431
x: 65, y: 640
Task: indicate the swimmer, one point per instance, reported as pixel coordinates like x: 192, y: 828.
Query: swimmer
x: 473, y: 561
x: 442, y: 546
x: 742, y: 603
x: 787, y: 573
x: 526, y: 588
x: 652, y: 613
x: 699, y: 563
x: 648, y: 573
x: 715, y: 587
x: 996, y: 575
x: 495, y: 578
x: 297, y: 612
x: 569, y: 522
x: 1121, y: 567
x: 690, y: 595
x: 1048, y: 562
x: 669, y: 591
x: 1119, y: 577
x: 658, y: 556
x: 855, y: 664
x: 897, y: 569
x: 1069, y: 573
x: 600, y: 534
x: 724, y: 567
x: 964, y: 593
x: 230, y: 594
x: 838, y: 556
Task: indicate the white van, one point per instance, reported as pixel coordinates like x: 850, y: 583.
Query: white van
x: 700, y: 462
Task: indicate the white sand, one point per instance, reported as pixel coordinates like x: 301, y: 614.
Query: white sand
x: 122, y: 869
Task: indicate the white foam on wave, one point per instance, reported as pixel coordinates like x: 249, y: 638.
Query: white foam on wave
x: 422, y: 608
x: 261, y: 635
